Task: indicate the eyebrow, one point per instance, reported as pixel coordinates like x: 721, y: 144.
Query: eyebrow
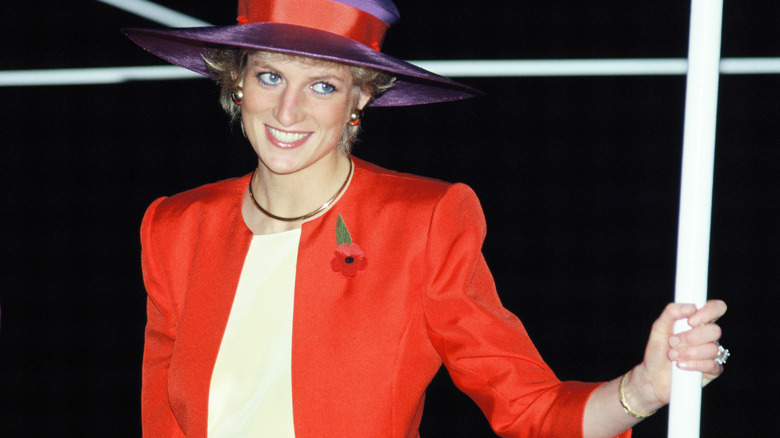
x: 327, y: 76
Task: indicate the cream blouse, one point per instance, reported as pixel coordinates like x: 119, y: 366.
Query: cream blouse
x: 251, y: 386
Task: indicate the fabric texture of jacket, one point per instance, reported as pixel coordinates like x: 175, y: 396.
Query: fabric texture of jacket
x: 364, y: 348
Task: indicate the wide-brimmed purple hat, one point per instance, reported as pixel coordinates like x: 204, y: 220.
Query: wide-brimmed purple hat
x: 347, y: 31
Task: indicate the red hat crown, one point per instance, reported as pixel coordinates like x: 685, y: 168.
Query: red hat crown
x: 363, y: 21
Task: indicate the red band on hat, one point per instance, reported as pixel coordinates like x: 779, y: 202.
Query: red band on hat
x: 330, y: 16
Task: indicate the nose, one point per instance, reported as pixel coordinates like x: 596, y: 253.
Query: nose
x: 289, y: 109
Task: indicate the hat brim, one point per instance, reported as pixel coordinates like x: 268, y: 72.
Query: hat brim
x: 413, y: 86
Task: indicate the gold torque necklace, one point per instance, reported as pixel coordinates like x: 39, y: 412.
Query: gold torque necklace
x: 305, y: 216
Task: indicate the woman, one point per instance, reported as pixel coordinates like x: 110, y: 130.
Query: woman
x: 319, y: 295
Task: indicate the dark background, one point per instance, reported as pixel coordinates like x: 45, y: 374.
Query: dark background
x: 579, y: 180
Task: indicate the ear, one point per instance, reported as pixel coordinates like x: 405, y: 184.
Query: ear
x: 240, y: 83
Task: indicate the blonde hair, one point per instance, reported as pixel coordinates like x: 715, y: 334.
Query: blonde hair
x: 227, y: 66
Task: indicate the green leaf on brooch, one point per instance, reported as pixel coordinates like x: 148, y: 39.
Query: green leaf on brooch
x: 342, y: 233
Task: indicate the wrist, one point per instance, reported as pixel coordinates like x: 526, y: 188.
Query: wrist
x: 636, y: 394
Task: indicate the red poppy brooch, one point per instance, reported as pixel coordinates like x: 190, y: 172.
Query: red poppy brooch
x: 349, y: 258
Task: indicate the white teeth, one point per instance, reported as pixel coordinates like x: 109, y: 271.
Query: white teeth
x: 286, y: 137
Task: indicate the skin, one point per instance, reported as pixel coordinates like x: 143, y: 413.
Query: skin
x: 648, y: 385
x: 294, y: 113
x: 300, y: 169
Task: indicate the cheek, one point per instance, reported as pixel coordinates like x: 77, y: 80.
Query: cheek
x: 336, y: 117
x: 255, y: 102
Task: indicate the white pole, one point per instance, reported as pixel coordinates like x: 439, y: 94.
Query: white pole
x: 157, y: 13
x: 693, y: 239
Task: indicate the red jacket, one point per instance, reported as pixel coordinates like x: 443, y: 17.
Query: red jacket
x: 364, y: 348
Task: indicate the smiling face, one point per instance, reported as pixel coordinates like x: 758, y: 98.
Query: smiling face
x: 295, y: 111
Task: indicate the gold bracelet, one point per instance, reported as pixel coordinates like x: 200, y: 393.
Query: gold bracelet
x: 624, y: 403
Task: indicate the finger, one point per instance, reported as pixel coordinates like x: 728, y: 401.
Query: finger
x: 707, y: 351
x: 707, y: 377
x: 710, y: 312
x: 703, y: 334
x: 709, y: 368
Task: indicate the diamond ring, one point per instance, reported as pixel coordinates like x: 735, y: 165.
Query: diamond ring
x: 723, y: 355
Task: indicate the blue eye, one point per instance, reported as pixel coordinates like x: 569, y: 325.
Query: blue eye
x: 323, y: 88
x: 269, y: 79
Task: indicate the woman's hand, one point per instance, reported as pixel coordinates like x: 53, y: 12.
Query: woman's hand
x: 648, y: 385
x: 693, y: 350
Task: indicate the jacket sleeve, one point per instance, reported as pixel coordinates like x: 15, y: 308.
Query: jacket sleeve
x: 157, y: 417
x: 485, y: 347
